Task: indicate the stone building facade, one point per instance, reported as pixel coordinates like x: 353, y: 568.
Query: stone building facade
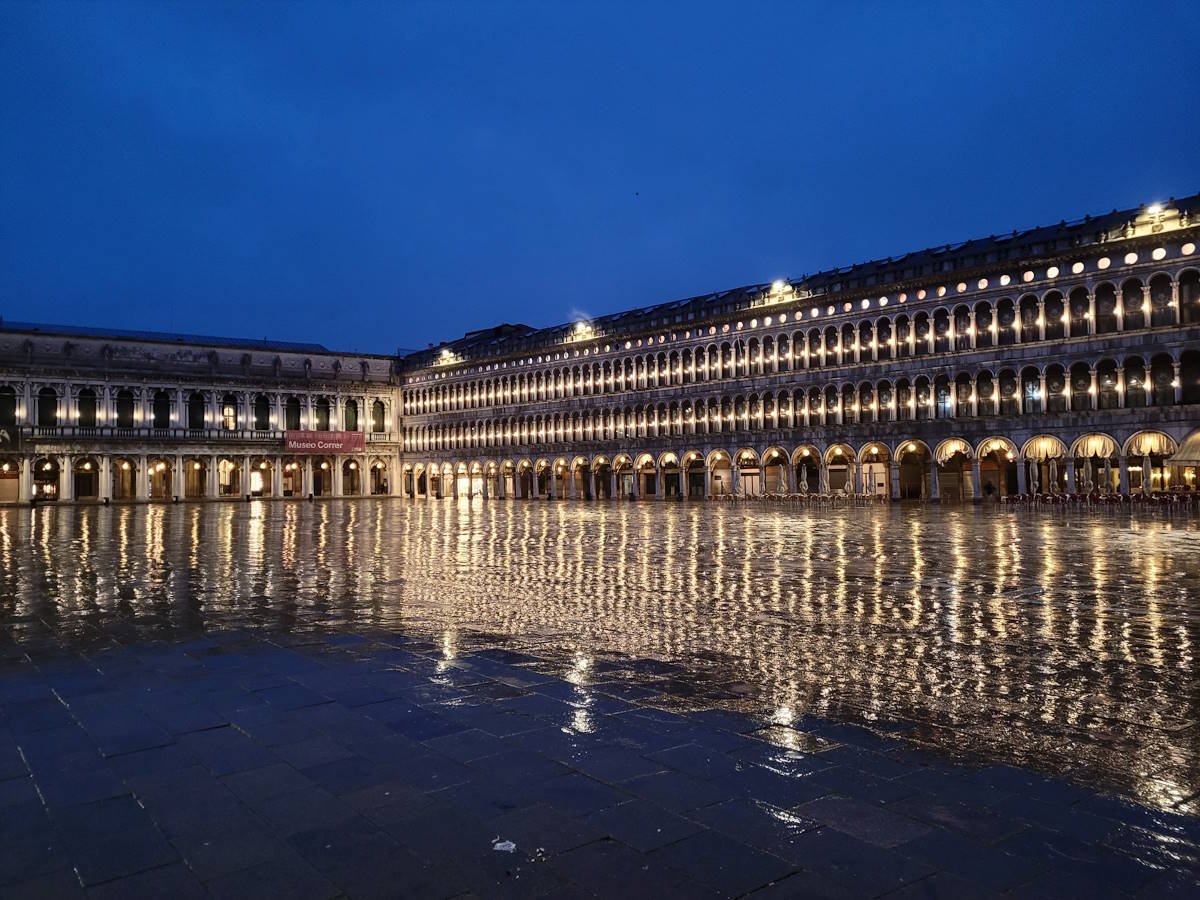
x: 1065, y: 356
x: 106, y: 415
x: 1059, y: 358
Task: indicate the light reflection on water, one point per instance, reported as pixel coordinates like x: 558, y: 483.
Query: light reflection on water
x: 1064, y: 643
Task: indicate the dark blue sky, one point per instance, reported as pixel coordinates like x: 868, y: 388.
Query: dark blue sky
x: 381, y: 175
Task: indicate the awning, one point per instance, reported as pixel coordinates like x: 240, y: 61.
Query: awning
x: 1188, y: 453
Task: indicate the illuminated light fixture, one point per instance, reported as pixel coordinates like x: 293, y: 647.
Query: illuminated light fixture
x: 911, y: 446
x: 87, y: 467
x: 4, y: 468
x: 324, y: 465
x: 125, y: 466
x: 196, y: 466
x: 263, y: 464
x: 1130, y: 258
x: 1154, y: 209
x: 46, y: 467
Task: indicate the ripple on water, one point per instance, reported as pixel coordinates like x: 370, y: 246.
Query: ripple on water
x: 1063, y: 643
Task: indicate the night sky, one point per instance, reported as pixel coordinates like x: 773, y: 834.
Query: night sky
x: 375, y: 176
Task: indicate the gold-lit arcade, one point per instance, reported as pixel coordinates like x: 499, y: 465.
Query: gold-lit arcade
x: 1061, y: 361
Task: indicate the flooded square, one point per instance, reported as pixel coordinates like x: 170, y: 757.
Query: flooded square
x: 1063, y: 643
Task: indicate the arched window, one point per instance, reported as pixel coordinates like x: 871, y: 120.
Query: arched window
x: 291, y: 414
x: 8, y: 407
x: 229, y: 412
x: 125, y: 409
x: 262, y: 413
x: 162, y: 409
x: 377, y: 416
x: 321, y: 414
x: 87, y: 408
x: 350, y: 416
x: 47, y: 407
x: 195, y: 411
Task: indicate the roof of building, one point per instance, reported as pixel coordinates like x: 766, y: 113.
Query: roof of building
x: 1030, y: 243
x: 164, y: 337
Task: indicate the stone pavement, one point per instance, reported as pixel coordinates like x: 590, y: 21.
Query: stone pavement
x: 319, y: 766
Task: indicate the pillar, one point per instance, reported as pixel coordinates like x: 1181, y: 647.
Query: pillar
x: 734, y: 478
x: 976, y: 487
x: 553, y: 482
x: 501, y: 487
x: 1021, y: 483
x: 894, y: 473
x: 612, y: 485
x: 1043, y: 399
x: 177, y: 476
x: 660, y: 489
x: 591, y: 483
x: 141, y: 484
x: 454, y: 481
x: 277, y: 477
x: 1120, y: 387
x: 1177, y: 383
x: 105, y: 476
x: 1123, y: 474
x: 1091, y: 314
x: 935, y: 486
x: 857, y: 476
x: 1070, y: 475
x: 66, y: 478
x: 571, y: 483
x: 308, y: 476
x: 707, y: 481
x: 1041, y: 320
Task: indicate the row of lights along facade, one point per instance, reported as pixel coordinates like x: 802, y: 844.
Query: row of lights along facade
x: 1061, y: 358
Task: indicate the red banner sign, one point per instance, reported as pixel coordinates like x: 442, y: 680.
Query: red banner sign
x: 323, y: 441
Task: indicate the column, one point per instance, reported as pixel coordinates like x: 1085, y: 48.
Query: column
x: 277, y: 477
x: 571, y: 483
x: 66, y: 478
x: 733, y: 477
x: 211, y: 488
x: 1070, y: 475
x: 935, y: 487
x: 1095, y: 391
x: 707, y: 482
x: 25, y: 486
x: 141, y: 483
x: 1021, y: 476
x: 1177, y: 383
x: 857, y: 476
x: 660, y: 489
x: 1148, y: 388
x: 637, y: 483
x: 971, y: 331
x: 1091, y: 316
x: 454, y: 481
x: 1120, y: 387
x: 976, y: 487
x: 501, y: 487
x: 553, y: 482
x: 1123, y: 474
x: 1041, y: 322
x: 244, y: 476
x: 894, y: 474
x: 1175, y: 301
x: 177, y: 477
x: 308, y: 475
x: 105, y: 476
x: 591, y: 483
x: 486, y: 478
x: 612, y: 484
x: 1043, y: 400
